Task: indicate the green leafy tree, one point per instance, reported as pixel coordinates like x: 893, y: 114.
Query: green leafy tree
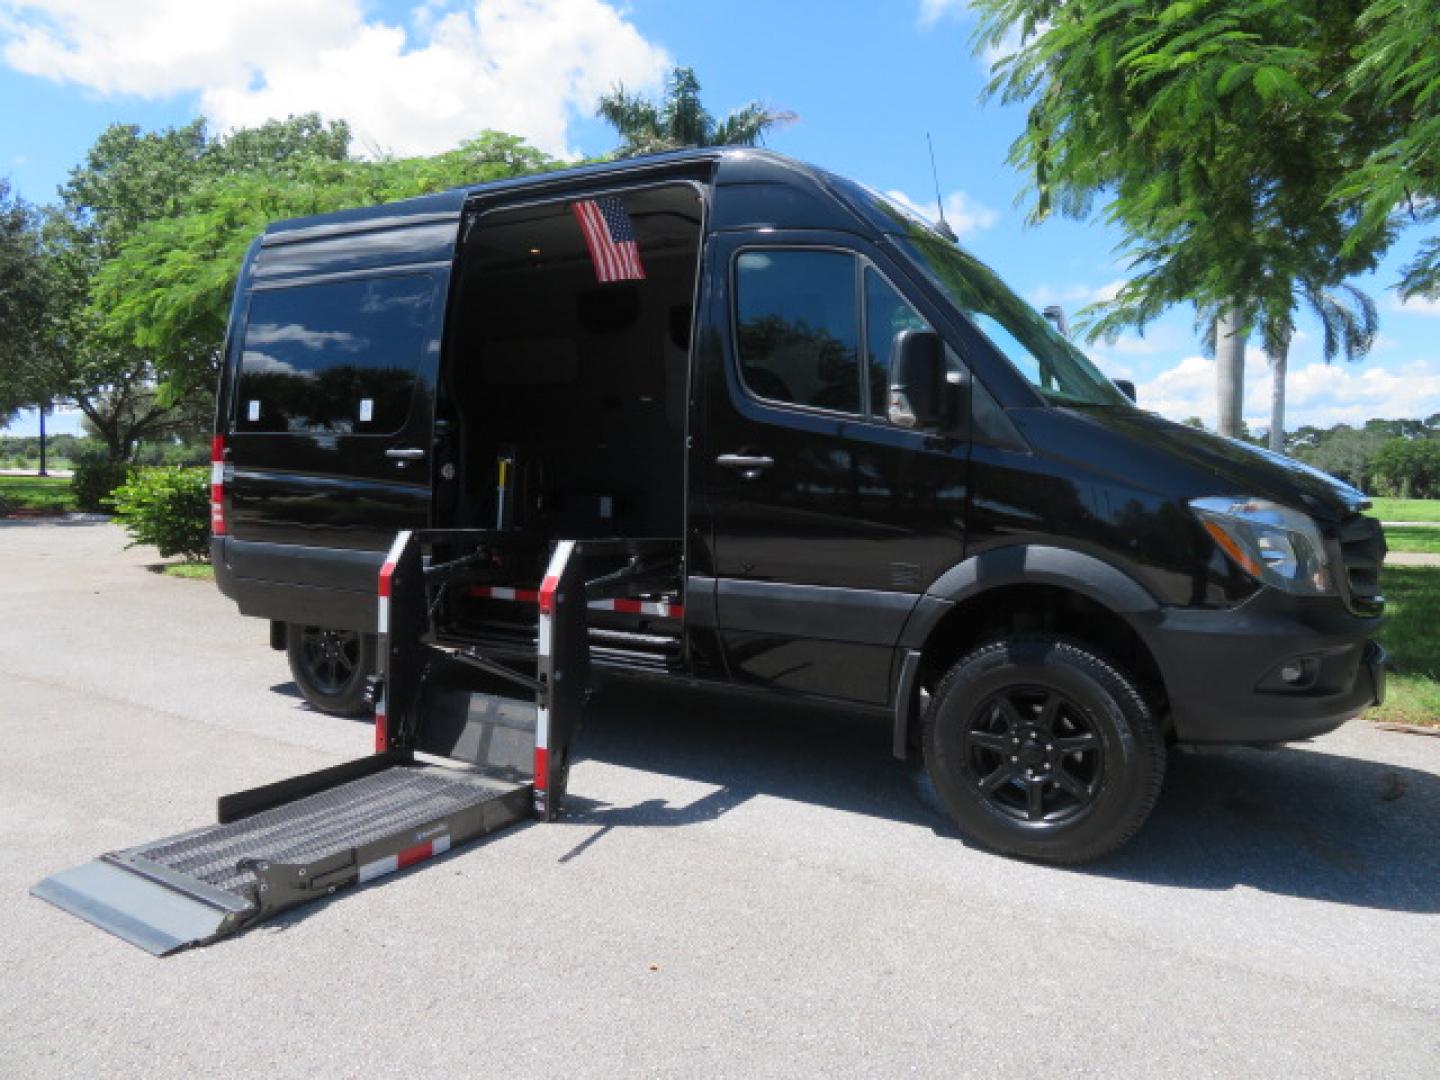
x: 129, y: 181
x: 1342, y: 451
x: 680, y: 119
x: 1215, y: 134
x: 25, y: 304
x: 1395, y: 82
x: 1408, y: 468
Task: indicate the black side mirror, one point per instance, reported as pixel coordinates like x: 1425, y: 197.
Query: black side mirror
x: 917, y: 394
x: 1126, y: 387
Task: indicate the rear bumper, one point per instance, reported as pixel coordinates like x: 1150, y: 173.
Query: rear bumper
x: 1272, y: 670
x: 332, y: 587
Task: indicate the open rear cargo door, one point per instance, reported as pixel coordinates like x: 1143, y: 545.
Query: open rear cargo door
x: 506, y: 723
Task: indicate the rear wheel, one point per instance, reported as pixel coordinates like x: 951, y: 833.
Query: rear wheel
x: 330, y: 667
x: 1041, y: 748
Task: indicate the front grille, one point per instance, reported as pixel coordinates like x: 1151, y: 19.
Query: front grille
x: 1361, y: 550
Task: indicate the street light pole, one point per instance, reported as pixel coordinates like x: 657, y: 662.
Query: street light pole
x: 44, y: 408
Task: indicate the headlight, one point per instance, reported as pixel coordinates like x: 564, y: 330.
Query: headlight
x: 1272, y: 543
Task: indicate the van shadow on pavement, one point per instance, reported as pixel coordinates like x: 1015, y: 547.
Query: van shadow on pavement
x: 1286, y: 821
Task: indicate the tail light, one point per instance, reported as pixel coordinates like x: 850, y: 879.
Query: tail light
x: 217, y: 486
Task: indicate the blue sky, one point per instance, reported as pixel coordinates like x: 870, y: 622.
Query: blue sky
x: 868, y: 80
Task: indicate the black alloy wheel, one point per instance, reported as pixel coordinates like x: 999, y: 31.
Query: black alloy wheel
x: 330, y: 668
x: 1040, y: 747
x: 1037, y: 754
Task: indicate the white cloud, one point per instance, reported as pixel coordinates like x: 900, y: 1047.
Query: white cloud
x: 963, y: 213
x: 1416, y: 305
x: 932, y: 11
x: 522, y: 66
x: 1076, y: 295
x: 1315, y: 393
x: 1135, y: 345
x: 1107, y: 292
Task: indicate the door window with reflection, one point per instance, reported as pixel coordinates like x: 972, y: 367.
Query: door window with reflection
x: 798, y: 328
x: 335, y: 358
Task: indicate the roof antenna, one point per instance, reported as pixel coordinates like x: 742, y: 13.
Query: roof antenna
x: 942, y: 226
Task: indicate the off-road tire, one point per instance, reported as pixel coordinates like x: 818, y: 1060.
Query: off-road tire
x: 1041, y: 748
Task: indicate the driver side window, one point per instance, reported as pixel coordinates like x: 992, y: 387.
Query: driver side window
x: 798, y: 328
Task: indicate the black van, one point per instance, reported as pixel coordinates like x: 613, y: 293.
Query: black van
x: 888, y: 482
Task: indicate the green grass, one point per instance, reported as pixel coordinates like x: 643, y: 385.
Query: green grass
x: 31, y: 464
x: 1421, y: 538
x: 48, y: 493
x: 1406, y: 509
x: 1412, y: 637
x: 197, y: 571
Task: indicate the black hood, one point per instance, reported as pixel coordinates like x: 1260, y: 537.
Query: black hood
x: 1216, y: 465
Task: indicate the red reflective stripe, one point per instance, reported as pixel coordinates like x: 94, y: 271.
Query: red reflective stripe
x: 640, y: 607
x: 520, y: 596
x: 382, y: 732
x: 217, y: 491
x: 542, y: 768
x: 412, y: 855
x: 386, y: 572
x: 547, y: 595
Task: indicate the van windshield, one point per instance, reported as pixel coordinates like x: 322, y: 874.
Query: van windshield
x: 1061, y: 372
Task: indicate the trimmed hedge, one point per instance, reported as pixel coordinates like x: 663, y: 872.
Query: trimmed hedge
x: 168, y: 507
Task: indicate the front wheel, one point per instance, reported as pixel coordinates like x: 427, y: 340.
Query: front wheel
x: 330, y: 667
x: 1041, y: 748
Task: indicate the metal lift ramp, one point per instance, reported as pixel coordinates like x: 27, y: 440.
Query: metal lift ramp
x: 505, y: 717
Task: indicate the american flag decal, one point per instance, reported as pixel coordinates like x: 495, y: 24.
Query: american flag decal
x: 610, y: 238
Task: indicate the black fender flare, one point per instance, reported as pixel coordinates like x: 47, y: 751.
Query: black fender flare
x: 1015, y: 564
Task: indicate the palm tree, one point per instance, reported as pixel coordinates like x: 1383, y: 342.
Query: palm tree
x: 1348, y: 320
x: 680, y: 120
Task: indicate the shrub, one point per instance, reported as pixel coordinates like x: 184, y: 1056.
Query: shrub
x: 169, y: 508
x: 96, y: 476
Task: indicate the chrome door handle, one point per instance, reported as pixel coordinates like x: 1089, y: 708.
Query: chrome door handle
x: 405, y: 453
x: 749, y: 465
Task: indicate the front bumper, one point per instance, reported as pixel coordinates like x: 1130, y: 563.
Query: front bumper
x: 1230, y: 675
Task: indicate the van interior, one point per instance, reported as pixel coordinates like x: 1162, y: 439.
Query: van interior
x: 563, y: 394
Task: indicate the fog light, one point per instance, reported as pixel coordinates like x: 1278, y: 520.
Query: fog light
x: 1296, y: 674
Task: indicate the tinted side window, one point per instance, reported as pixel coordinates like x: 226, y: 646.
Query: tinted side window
x: 797, y: 323
x: 886, y: 314
x: 337, y: 358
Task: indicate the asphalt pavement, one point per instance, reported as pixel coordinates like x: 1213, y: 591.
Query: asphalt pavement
x: 739, y: 891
